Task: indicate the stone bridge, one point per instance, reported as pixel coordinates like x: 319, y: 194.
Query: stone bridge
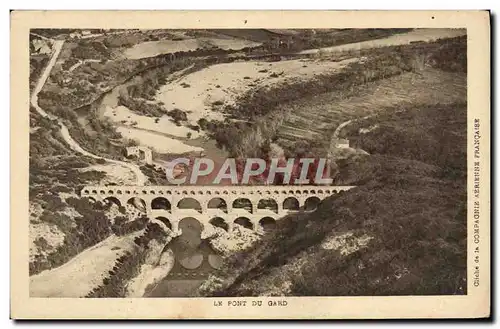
x: 254, y: 207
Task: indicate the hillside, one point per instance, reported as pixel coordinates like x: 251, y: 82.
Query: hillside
x: 377, y: 80
x: 402, y: 108
x: 402, y: 231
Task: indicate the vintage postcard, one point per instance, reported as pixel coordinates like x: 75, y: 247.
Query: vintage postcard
x: 250, y: 165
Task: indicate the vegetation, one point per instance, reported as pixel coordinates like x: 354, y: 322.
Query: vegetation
x: 178, y: 115
x: 69, y: 63
x: 128, y: 265
x: 122, y: 226
x: 89, y: 49
x: 98, y: 136
x: 37, y: 64
x: 401, y: 133
x: 54, y: 169
x: 266, y: 106
x: 408, y: 201
x: 328, y: 38
x: 257, y: 106
x: 303, y: 39
x: 155, y: 176
x: 417, y: 162
x: 85, y: 231
x: 141, y: 106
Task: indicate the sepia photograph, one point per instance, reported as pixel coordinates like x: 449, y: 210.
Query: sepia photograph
x: 247, y: 168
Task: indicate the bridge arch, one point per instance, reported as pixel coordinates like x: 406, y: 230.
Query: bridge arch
x: 243, y: 203
x: 190, y: 239
x: 268, y: 203
x: 312, y: 203
x: 165, y: 221
x: 161, y: 203
x: 111, y: 199
x: 191, y: 262
x: 291, y: 203
x: 192, y: 223
x: 267, y: 223
x: 245, y: 222
x: 189, y: 203
x: 217, y: 203
x: 137, y: 203
x: 219, y: 222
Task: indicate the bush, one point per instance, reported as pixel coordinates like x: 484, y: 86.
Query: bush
x: 82, y: 233
x: 414, y: 215
x: 140, y: 106
x: 178, y: 115
x: 128, y: 266
x: 62, y: 221
x: 203, y: 123
x: 124, y: 227
x: 194, y: 127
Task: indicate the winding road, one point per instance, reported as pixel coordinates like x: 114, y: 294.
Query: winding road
x: 141, y: 179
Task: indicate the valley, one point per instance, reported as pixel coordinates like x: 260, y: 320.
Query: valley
x: 265, y: 94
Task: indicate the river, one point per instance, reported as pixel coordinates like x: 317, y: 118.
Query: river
x: 194, y: 261
x: 57, y: 47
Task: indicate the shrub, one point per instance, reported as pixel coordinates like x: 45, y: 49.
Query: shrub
x: 203, y: 123
x: 415, y: 215
x: 124, y: 227
x: 178, y: 115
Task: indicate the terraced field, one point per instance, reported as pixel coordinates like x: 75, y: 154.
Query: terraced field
x: 320, y: 115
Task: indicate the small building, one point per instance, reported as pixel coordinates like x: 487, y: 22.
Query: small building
x: 144, y: 154
x: 41, y: 47
x: 342, y: 143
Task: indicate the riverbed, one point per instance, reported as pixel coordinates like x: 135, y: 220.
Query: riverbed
x: 159, y: 134
x: 194, y: 261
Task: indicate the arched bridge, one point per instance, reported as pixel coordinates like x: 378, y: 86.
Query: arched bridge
x: 254, y: 207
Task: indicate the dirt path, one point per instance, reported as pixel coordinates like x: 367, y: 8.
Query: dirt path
x: 80, y: 62
x: 429, y: 87
x: 57, y: 46
x: 84, y: 272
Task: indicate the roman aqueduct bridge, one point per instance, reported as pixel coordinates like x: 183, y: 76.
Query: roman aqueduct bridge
x: 223, y: 206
